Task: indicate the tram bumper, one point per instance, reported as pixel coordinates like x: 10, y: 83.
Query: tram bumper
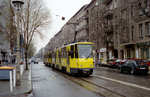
x: 84, y: 71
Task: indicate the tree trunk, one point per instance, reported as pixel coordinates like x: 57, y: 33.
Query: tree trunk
x: 26, y: 59
x: 107, y: 53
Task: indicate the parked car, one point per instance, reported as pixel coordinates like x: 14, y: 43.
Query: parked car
x: 117, y: 62
x: 147, y: 62
x: 134, y: 66
x: 112, y: 62
x: 122, y: 61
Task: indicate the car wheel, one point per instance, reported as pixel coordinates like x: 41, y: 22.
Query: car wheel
x: 120, y: 70
x: 132, y: 71
x: 146, y: 73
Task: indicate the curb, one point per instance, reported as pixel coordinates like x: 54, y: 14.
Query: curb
x: 25, y: 87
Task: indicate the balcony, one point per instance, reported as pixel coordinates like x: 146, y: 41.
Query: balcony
x: 108, y: 13
x: 124, y: 40
x: 106, y: 1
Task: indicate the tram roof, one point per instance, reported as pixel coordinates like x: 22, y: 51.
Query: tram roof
x: 72, y: 44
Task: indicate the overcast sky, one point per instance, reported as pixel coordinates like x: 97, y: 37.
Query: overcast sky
x: 58, y: 9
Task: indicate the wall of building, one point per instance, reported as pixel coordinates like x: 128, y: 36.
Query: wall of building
x: 121, y: 17
x: 5, y: 51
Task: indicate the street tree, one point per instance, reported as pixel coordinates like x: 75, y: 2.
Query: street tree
x: 34, y: 18
x: 31, y: 50
x: 7, y: 28
x: 105, y: 29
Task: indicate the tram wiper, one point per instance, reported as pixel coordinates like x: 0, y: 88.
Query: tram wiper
x: 88, y: 56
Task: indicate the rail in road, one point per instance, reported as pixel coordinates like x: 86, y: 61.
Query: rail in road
x: 109, y: 87
x: 91, y: 86
x: 122, y: 82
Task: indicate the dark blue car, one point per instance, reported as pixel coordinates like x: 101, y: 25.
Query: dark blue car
x: 134, y: 66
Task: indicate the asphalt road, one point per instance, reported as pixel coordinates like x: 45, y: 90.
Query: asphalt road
x: 122, y: 83
x: 48, y: 83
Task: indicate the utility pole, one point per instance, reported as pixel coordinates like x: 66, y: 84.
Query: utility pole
x: 18, y: 4
x: 75, y: 30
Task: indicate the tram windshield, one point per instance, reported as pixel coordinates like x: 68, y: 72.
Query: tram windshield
x: 85, y: 50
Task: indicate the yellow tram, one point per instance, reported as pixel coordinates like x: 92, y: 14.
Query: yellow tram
x: 45, y: 60
x: 76, y: 58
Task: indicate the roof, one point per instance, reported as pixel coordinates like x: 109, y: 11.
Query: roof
x: 73, y: 44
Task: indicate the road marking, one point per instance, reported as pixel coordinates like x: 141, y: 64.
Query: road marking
x: 122, y: 82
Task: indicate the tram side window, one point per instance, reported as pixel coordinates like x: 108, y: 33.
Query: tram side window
x: 55, y: 56
x: 52, y: 55
x: 62, y: 53
x: 76, y: 51
x: 59, y: 54
x: 72, y: 51
x: 65, y: 54
x: 49, y: 55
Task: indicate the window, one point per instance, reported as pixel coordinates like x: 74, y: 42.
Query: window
x: 132, y: 63
x: 132, y: 12
x: 124, y: 32
x: 141, y: 12
x: 127, y: 62
x: 124, y: 13
x: 146, y: 6
x: 115, y: 4
x: 128, y: 53
x: 76, y: 51
x: 85, y: 51
x: 72, y: 51
x: 147, y: 28
x: 59, y: 56
x: 132, y: 32
x: 110, y: 5
x: 141, y: 30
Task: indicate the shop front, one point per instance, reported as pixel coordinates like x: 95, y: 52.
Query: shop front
x: 144, y: 50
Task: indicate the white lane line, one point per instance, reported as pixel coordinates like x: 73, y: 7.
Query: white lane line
x: 122, y: 82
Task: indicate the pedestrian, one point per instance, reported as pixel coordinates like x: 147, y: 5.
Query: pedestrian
x: 6, y: 62
x: 12, y: 61
x: 0, y: 62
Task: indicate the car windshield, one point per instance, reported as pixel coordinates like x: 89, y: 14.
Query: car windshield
x: 140, y: 62
x: 118, y: 60
x: 123, y: 60
x: 146, y: 61
x: 85, y: 50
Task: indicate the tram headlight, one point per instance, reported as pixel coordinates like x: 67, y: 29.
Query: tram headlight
x: 81, y: 65
x: 90, y: 64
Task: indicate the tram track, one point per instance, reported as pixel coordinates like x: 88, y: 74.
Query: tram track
x: 84, y: 82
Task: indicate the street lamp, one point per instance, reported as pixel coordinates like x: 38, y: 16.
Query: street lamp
x: 18, y: 4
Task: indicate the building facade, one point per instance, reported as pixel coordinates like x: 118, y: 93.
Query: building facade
x: 119, y: 27
x: 5, y: 50
x: 75, y: 30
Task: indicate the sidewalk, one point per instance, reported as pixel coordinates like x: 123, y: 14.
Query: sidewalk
x: 25, y: 87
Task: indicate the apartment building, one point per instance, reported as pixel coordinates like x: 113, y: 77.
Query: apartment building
x: 5, y: 50
x: 119, y: 27
x: 128, y: 23
x: 132, y: 32
x: 75, y: 30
